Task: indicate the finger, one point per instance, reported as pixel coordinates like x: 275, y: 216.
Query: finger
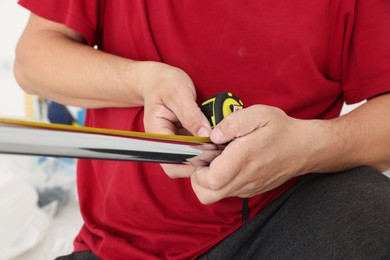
x: 222, y: 171
x: 205, y: 196
x: 190, y: 115
x: 240, y: 123
x: 159, y: 119
x: 210, y: 152
x: 178, y: 171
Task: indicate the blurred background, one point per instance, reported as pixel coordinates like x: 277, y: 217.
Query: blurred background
x: 12, y: 21
x: 39, y: 215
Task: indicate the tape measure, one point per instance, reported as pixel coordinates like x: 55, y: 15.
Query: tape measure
x: 219, y: 106
x: 215, y: 109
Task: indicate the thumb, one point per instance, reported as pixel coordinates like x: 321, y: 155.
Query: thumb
x: 195, y: 121
x: 238, y: 124
x: 191, y: 117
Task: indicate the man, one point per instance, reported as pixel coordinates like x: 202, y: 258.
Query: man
x: 293, y: 65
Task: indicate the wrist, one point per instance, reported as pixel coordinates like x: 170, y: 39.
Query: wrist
x: 149, y: 77
x: 129, y: 78
x: 332, y: 147
x: 160, y: 80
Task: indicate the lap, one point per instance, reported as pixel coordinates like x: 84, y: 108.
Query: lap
x: 325, y: 216
x: 83, y: 255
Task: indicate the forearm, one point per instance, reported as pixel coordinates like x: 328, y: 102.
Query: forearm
x: 361, y: 137
x: 52, y: 65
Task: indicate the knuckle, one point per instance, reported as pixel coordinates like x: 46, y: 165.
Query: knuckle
x: 246, y: 155
x: 192, y: 117
x: 233, y: 122
x: 206, y: 200
x: 170, y: 171
x: 214, y: 184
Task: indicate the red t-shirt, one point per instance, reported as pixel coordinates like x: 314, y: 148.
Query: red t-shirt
x: 305, y: 57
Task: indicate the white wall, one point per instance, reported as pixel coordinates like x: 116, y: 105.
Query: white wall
x: 12, y: 20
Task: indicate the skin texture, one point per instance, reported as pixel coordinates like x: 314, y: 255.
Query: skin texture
x: 266, y: 147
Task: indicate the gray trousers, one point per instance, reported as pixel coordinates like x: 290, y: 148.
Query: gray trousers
x: 325, y: 216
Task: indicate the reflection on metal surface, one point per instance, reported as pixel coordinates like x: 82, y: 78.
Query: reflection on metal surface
x: 42, y: 139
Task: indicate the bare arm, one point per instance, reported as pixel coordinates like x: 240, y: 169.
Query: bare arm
x: 53, y: 61
x: 361, y: 137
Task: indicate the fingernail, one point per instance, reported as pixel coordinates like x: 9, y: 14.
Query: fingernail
x: 203, y: 131
x: 216, y: 135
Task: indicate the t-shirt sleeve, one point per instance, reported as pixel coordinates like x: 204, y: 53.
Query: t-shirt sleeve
x: 366, y: 64
x: 81, y: 16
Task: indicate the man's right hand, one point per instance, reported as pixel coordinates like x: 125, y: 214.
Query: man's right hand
x: 170, y: 101
x: 170, y: 107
